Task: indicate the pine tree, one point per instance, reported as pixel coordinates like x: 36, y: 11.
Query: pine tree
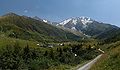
x: 26, y: 54
x: 51, y: 53
x: 46, y: 53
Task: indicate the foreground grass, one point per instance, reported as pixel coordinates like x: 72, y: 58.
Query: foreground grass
x: 10, y: 41
x: 110, y: 60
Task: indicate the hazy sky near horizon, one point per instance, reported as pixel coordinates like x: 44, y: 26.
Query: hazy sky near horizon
x: 57, y: 10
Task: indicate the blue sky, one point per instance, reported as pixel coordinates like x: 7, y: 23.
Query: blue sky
x: 57, y: 10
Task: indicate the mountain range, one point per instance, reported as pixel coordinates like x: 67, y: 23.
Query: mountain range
x: 85, y: 27
x: 35, y: 28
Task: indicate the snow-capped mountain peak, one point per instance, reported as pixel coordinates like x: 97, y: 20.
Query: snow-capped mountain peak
x: 86, y: 20
x: 83, y: 25
x: 83, y: 20
x: 74, y: 21
x: 65, y: 22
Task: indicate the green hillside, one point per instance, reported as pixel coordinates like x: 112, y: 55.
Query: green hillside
x: 111, y: 45
x: 111, y: 59
x: 109, y: 36
x: 15, y: 26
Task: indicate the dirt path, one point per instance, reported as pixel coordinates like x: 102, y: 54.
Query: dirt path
x: 88, y: 65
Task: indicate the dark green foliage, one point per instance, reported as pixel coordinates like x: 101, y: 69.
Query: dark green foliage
x: 60, y: 52
x: 40, y: 64
x: 46, y: 53
x: 11, y: 58
x: 51, y: 53
x: 16, y: 57
x: 27, y: 54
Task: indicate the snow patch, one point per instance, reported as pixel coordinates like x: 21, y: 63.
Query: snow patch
x: 65, y: 22
x: 57, y: 25
x: 74, y: 21
x: 45, y: 21
x: 86, y: 20
x: 73, y: 28
x: 87, y: 35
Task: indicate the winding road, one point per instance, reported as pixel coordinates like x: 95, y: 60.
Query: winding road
x: 88, y: 65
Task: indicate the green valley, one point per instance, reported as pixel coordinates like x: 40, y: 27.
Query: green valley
x: 27, y: 43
